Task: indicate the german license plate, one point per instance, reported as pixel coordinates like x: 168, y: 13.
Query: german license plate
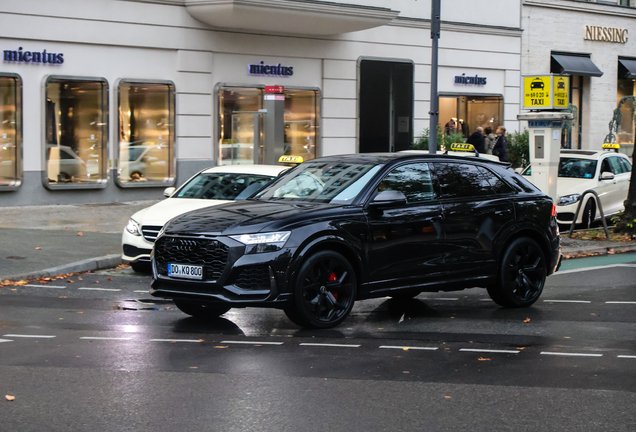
x: 185, y: 271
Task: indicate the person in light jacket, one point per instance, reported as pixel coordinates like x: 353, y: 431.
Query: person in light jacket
x: 500, y: 149
x: 490, y: 139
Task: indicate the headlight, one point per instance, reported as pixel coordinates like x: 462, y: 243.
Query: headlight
x: 569, y: 199
x: 265, y: 242
x: 133, y: 227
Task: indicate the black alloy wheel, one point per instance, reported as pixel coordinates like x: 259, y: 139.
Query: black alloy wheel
x: 324, y: 292
x: 521, y: 276
x: 201, y: 310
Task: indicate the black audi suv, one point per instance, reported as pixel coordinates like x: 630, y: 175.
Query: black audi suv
x: 342, y: 228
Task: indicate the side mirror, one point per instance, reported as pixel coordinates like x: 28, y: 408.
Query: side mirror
x: 169, y: 191
x: 606, y: 175
x: 389, y: 198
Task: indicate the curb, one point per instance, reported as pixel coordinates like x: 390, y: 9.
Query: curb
x: 90, y: 264
x: 597, y: 250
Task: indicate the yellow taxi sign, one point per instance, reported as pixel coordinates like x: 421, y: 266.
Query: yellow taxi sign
x: 546, y: 92
x: 611, y: 146
x: 291, y: 159
x: 462, y: 147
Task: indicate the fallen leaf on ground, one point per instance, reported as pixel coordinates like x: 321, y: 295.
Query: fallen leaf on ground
x: 96, y: 281
x: 10, y: 398
x: 406, y: 372
x: 447, y: 397
x: 527, y: 320
x: 80, y: 312
x: 201, y: 340
x: 483, y: 359
x: 110, y: 278
x: 402, y: 319
x: 38, y: 248
x: 80, y: 234
x: 221, y: 346
x: 521, y: 348
x: 567, y: 337
x: 70, y: 281
x: 194, y: 367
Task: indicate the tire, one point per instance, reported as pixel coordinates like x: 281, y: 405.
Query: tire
x: 324, y: 291
x: 588, y: 213
x: 141, y: 267
x: 200, y: 310
x: 522, y: 275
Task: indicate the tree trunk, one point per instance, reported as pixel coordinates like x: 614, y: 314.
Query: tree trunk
x: 627, y: 221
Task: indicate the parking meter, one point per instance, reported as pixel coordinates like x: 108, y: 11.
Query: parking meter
x: 545, y: 148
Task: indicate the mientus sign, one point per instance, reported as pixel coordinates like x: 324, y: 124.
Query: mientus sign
x: 270, y: 70
x: 475, y: 80
x: 605, y: 34
x: 20, y: 56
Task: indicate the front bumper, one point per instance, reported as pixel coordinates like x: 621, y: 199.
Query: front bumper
x: 229, y: 275
x: 135, y: 248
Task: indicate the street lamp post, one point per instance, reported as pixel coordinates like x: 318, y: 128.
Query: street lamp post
x: 434, y: 112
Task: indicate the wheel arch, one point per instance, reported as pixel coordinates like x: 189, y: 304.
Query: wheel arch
x: 541, y: 240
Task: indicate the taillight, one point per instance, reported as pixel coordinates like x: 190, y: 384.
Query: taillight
x: 553, y: 210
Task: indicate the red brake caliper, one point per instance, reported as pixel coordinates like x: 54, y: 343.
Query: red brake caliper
x: 333, y: 278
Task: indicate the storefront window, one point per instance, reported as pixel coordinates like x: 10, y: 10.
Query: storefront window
x: 76, y: 117
x: 241, y: 125
x: 300, y: 123
x: 146, y: 133
x: 10, y: 131
x: 463, y: 114
x: 625, y: 135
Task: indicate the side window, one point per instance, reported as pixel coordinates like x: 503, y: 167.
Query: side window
x: 616, y: 165
x: 605, y: 166
x: 498, y: 185
x: 413, y: 180
x: 461, y: 180
x: 627, y: 166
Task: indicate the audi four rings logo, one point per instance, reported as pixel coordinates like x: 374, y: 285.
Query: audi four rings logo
x: 186, y: 245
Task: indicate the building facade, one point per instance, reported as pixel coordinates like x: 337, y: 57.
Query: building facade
x: 107, y: 101
x: 594, y: 42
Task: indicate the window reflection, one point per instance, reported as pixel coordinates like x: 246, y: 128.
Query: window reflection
x: 146, y: 132
x: 9, y: 130
x: 300, y: 123
x: 76, y: 130
x: 240, y: 126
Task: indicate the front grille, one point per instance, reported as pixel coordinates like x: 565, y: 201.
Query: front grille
x: 210, y: 254
x: 150, y: 232
x: 253, y: 278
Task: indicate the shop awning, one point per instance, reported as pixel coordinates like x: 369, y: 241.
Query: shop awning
x: 627, y: 68
x: 575, y: 65
x: 305, y: 17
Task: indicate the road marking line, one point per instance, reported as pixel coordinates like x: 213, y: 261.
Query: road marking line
x: 485, y: 299
x: 329, y: 345
x: 566, y: 301
x: 104, y: 338
x: 442, y: 298
x: 251, y: 342
x: 5, y: 340
x: 142, y: 291
x: 45, y: 286
x: 620, y: 302
x: 626, y: 356
x: 571, y: 354
x: 174, y: 340
x: 490, y: 351
x: 100, y: 289
x: 409, y: 347
x: 562, y: 272
x: 28, y: 336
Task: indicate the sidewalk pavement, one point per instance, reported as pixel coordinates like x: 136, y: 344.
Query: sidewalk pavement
x: 42, y: 241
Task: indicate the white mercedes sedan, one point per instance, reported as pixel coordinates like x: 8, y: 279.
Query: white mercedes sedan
x: 210, y: 187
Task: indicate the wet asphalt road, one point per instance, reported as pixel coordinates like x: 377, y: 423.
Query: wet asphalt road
x: 89, y: 356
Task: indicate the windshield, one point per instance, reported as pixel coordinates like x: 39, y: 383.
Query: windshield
x: 577, y: 168
x: 327, y: 182
x: 223, y: 186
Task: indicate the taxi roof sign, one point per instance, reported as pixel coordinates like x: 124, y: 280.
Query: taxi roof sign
x: 611, y: 146
x: 463, y: 147
x: 291, y: 159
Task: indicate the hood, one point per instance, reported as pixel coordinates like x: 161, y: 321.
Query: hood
x: 160, y: 213
x: 243, y: 217
x: 569, y: 186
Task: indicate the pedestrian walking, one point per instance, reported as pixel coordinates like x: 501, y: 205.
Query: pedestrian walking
x: 478, y: 140
x: 500, y: 149
x: 490, y: 139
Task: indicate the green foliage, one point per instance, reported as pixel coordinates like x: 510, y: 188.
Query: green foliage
x: 519, y: 149
x: 443, y: 141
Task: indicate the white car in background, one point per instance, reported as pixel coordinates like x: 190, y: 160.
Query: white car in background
x: 605, y: 172
x: 210, y: 187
